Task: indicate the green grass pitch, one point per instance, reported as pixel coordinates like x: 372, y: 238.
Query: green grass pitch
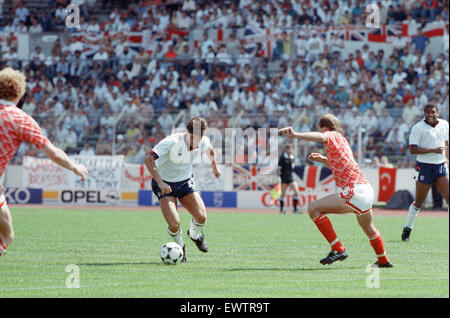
x: 250, y: 256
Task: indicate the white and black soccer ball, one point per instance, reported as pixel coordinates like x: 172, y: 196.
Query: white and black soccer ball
x: 171, y: 253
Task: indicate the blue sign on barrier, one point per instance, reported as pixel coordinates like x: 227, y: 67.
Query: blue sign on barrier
x: 23, y: 196
x: 144, y: 197
x: 219, y: 199
x: 211, y: 198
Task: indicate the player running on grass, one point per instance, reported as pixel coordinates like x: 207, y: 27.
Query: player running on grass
x: 15, y: 127
x: 355, y: 193
x: 285, y: 172
x: 170, y: 164
x: 429, y: 141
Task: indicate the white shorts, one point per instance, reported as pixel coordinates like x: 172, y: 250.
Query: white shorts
x: 360, y: 198
x: 2, y: 196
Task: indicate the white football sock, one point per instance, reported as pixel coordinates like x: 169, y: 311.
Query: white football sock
x: 177, y: 236
x: 412, y: 214
x: 195, y: 229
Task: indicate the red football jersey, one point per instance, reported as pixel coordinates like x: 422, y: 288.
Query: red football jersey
x: 341, y: 161
x: 15, y: 127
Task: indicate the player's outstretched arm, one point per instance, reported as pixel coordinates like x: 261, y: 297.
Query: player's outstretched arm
x: 59, y: 157
x: 310, y: 136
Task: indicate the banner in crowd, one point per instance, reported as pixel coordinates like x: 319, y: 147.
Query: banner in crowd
x: 246, y: 177
x: 136, y: 177
x: 307, y: 177
x: 205, y: 179
x: 44, y: 173
x: 105, y: 172
x: 382, y: 34
x: 267, y: 38
x: 134, y: 40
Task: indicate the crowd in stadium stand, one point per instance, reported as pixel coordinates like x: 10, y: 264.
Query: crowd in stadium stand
x: 77, y: 98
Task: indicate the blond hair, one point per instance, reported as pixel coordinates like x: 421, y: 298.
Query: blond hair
x: 12, y: 84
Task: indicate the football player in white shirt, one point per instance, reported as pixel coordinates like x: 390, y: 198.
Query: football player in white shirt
x: 170, y: 164
x: 429, y: 141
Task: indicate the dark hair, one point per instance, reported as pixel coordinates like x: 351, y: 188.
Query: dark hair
x: 198, y: 120
x: 430, y: 105
x: 331, y: 122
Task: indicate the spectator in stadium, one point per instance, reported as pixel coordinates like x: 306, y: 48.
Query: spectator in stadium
x: 79, y: 123
x: 420, y: 41
x: 70, y: 144
x: 35, y: 27
x: 21, y: 13
x: 87, y: 150
x: 395, y: 142
x: 102, y: 148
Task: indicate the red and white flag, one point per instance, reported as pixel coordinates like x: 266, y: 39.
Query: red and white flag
x: 387, y: 183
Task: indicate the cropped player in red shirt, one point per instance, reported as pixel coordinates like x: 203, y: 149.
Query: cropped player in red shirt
x: 16, y: 127
x: 355, y: 193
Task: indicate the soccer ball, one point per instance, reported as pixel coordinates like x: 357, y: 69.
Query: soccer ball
x: 171, y: 253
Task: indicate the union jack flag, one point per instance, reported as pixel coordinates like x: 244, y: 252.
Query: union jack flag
x: 246, y: 177
x: 255, y: 35
x: 396, y: 29
x: 358, y: 35
x: 314, y: 177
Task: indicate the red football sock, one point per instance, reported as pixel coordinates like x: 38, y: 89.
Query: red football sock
x: 2, y: 249
x: 324, y: 225
x: 378, y: 247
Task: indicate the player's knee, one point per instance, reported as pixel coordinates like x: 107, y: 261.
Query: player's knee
x: 369, y: 229
x: 201, y: 219
x: 174, y: 226
x: 418, y: 203
x: 313, y: 210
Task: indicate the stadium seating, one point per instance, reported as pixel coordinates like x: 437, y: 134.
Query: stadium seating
x: 178, y: 75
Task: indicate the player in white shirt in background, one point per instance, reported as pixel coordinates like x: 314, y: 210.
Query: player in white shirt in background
x: 429, y: 141
x: 170, y: 164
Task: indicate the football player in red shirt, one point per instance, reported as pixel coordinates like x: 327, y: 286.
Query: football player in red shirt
x: 355, y: 194
x: 16, y: 127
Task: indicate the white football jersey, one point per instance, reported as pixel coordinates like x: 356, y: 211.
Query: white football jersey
x: 426, y: 136
x: 175, y: 160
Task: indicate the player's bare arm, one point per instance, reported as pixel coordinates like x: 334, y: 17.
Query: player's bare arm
x: 415, y: 150
x: 59, y: 157
x: 446, y: 150
x: 211, y: 155
x: 319, y: 158
x: 151, y: 166
x: 310, y: 136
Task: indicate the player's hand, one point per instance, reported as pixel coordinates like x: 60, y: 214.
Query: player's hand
x: 440, y: 150
x: 165, y: 188
x: 81, y: 171
x: 316, y: 157
x: 287, y: 132
x: 217, y: 173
